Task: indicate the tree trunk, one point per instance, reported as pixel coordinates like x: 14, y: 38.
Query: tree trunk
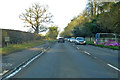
x: 37, y: 30
x: 98, y: 8
x: 91, y: 9
x: 95, y: 5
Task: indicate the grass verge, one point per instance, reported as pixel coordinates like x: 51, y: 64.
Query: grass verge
x: 103, y: 46
x: 18, y: 47
x: 52, y: 40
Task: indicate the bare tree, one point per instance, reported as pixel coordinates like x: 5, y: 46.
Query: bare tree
x: 36, y: 16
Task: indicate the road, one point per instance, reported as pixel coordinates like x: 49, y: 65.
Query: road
x: 65, y: 61
x: 107, y: 55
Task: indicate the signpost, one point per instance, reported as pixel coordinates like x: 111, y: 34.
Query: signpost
x: 7, y: 39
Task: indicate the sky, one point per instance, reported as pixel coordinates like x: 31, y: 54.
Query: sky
x: 62, y: 10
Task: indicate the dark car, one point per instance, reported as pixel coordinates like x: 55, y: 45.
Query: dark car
x: 61, y: 40
x: 80, y: 40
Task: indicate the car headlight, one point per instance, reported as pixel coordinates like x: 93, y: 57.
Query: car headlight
x: 77, y: 41
x: 84, y: 41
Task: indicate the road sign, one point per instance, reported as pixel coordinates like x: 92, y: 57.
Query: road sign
x: 7, y: 39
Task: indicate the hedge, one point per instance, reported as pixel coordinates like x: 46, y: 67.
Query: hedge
x: 17, y: 36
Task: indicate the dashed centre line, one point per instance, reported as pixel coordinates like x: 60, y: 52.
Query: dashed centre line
x: 107, y: 64
x: 77, y: 47
x: 87, y: 52
x: 113, y: 67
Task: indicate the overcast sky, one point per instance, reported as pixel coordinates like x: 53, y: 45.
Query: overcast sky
x: 62, y: 10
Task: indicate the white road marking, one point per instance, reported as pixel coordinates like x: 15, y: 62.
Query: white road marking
x: 95, y: 57
x: 13, y: 73
x: 107, y: 64
x: 20, y: 68
x: 3, y: 72
x: 113, y: 67
x: 87, y: 52
x: 77, y: 47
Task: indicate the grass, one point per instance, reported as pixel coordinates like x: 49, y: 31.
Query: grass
x: 90, y: 42
x: 103, y: 46
x: 52, y: 40
x: 18, y: 47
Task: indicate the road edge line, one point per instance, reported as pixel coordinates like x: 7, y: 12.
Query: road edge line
x: 23, y: 65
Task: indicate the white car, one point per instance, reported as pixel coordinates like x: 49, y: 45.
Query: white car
x: 72, y: 39
x: 80, y: 40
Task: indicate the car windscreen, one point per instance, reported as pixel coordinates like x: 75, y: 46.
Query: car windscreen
x: 80, y: 38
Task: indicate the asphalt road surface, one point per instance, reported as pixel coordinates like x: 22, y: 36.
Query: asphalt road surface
x: 65, y: 61
x: 107, y: 55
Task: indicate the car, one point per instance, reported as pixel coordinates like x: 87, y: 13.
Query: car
x: 68, y: 39
x: 61, y: 40
x: 80, y: 40
x: 72, y: 39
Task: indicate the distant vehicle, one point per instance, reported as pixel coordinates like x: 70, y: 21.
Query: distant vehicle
x: 68, y: 39
x: 72, y: 39
x: 80, y: 40
x: 61, y: 40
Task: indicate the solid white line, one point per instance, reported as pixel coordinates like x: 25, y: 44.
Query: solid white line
x: 113, y: 67
x: 87, y: 52
x: 20, y: 68
x: 13, y: 73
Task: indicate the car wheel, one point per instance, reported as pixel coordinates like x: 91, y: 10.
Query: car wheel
x: 76, y: 43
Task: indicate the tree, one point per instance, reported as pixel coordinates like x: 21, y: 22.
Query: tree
x: 95, y: 8
x: 90, y: 8
x: 36, y: 16
x: 109, y: 18
x: 98, y: 17
x: 79, y: 20
x: 53, y: 32
x: 98, y: 7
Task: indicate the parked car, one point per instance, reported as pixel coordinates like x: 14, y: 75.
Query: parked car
x: 61, y: 40
x: 72, y: 39
x: 80, y: 40
x: 68, y: 39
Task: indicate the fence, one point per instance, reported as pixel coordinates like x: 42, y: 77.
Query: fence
x: 105, y: 37
x: 90, y: 38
